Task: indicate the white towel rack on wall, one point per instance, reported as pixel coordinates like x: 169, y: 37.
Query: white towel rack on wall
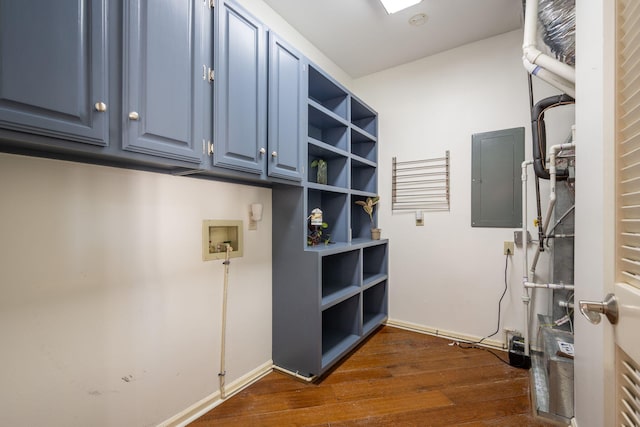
x: 420, y: 184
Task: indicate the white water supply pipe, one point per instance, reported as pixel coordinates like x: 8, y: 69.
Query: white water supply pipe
x: 529, y: 273
x: 553, y: 152
x: 549, y: 69
x: 532, y: 285
x: 525, y: 258
x: 553, y: 79
x: 222, y: 373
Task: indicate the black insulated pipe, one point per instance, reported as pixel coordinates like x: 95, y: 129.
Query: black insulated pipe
x: 539, y: 134
x: 537, y: 181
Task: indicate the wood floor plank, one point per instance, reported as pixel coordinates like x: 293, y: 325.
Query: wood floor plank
x: 397, y: 378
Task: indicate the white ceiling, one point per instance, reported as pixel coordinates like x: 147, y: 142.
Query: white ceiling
x: 361, y: 38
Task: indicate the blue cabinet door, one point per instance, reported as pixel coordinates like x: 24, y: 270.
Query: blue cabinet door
x: 240, y: 125
x: 165, y: 85
x: 53, y: 69
x: 286, y: 113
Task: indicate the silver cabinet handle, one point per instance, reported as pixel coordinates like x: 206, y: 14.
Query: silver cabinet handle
x: 262, y: 150
x: 101, y: 107
x: 274, y: 154
x: 134, y: 115
x: 593, y: 309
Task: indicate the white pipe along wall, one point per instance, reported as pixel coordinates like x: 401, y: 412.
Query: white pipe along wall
x: 530, y: 274
x: 223, y: 334
x: 526, y: 299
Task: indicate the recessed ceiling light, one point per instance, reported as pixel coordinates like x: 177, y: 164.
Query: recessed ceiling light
x: 419, y: 19
x: 393, y: 6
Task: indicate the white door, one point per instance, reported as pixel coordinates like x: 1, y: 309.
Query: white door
x: 626, y: 287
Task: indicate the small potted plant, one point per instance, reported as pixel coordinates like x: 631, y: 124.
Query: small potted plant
x: 321, y: 175
x: 368, y: 208
x: 317, y: 229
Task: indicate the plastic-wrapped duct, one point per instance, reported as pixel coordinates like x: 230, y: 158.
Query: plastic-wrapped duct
x: 557, y: 19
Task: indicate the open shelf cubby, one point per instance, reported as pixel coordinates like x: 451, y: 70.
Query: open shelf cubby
x: 340, y: 276
x: 374, y: 306
x: 364, y: 118
x: 340, y: 329
x: 337, y: 171
x: 374, y: 264
x: 327, y: 129
x: 334, y: 212
x: 363, y: 145
x: 360, y: 221
x: 363, y: 176
x: 327, y: 93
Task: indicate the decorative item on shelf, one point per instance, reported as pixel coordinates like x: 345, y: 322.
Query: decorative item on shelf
x: 368, y: 208
x: 321, y: 175
x: 316, y: 229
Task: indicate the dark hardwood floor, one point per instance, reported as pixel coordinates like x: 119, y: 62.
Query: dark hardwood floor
x: 396, y: 378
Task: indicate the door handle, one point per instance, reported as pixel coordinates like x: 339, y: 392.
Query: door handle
x: 593, y: 309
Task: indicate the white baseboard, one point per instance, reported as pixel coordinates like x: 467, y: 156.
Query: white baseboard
x: 491, y: 343
x: 200, y: 408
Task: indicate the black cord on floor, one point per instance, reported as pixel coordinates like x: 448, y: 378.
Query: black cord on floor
x: 506, y: 264
x: 472, y: 344
x: 485, y: 349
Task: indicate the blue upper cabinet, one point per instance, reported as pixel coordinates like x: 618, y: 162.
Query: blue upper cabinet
x: 240, y: 93
x: 287, y: 114
x: 166, y: 82
x: 53, y: 69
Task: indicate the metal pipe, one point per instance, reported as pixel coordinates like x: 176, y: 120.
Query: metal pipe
x: 564, y: 215
x: 565, y: 304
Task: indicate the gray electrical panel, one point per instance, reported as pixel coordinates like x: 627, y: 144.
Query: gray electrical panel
x: 496, y: 187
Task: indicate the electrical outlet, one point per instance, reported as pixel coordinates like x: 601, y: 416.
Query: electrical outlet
x: 508, y: 248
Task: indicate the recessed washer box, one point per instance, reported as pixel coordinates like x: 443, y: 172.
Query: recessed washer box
x: 217, y: 234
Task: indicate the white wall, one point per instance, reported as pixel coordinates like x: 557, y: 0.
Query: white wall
x: 108, y: 315
x: 448, y: 275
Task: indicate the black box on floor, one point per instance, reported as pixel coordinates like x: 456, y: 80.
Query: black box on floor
x: 517, y: 358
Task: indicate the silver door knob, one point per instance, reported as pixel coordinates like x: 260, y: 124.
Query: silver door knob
x: 274, y: 154
x: 593, y: 309
x: 134, y: 115
x: 263, y: 151
x: 101, y: 107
